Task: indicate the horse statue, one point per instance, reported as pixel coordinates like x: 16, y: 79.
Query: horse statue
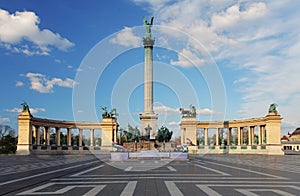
x: 273, y: 108
x: 113, y: 113
x: 191, y: 112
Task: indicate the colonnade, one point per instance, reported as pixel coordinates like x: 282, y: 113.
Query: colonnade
x: 238, y: 138
x: 34, y: 134
x: 238, y: 134
x: 45, y: 138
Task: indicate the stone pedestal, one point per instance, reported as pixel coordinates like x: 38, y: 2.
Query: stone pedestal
x: 188, y: 127
x: 109, y: 135
x: 24, y: 134
x: 273, y: 121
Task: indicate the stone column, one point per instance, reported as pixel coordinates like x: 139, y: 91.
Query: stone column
x: 229, y: 136
x: 250, y: 135
x: 38, y: 135
x: 259, y: 135
x: 92, y: 137
x: 262, y: 134
x: 57, y: 136
x: 148, y: 118
x: 69, y: 137
x: 34, y: 134
x: 80, y: 138
x: 44, y: 136
x: 217, y: 137
x: 205, y: 136
x: 240, y: 137
x: 48, y: 135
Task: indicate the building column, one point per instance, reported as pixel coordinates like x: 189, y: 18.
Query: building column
x: 250, y: 135
x: 205, y: 136
x: 263, y: 134
x: 229, y: 136
x: 259, y: 135
x: 69, y: 137
x: 48, y: 136
x: 92, y: 137
x: 34, y: 134
x: 44, y: 135
x: 240, y: 133
x: 38, y: 135
x: 217, y: 137
x: 57, y: 136
x: 80, y: 137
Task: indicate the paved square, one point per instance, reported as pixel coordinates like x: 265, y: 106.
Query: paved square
x: 202, y: 175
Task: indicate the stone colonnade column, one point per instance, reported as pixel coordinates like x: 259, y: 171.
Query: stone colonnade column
x: 205, y: 136
x: 47, y: 130
x: 217, y: 137
x: 38, y: 135
x: 92, y: 137
x: 69, y: 137
x: 80, y: 137
x: 229, y: 136
x: 57, y: 136
x: 250, y: 135
x: 259, y: 135
x: 239, y: 135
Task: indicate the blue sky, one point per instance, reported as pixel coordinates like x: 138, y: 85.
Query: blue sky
x: 231, y: 59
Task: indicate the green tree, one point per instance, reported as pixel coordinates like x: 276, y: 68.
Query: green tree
x: 8, y: 141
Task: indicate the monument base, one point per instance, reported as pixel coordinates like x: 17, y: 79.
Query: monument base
x: 23, y: 149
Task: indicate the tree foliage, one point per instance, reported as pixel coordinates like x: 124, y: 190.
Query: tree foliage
x: 164, y: 134
x: 8, y: 141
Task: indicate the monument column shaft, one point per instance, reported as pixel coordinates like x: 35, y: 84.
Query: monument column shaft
x: 148, y: 81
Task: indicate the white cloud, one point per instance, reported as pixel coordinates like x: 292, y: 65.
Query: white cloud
x: 2, y: 120
x: 32, y: 110
x: 165, y: 109
x: 126, y: 38
x: 20, y: 83
x: 186, y: 58
x: 234, y: 16
x: 205, y: 112
x: 24, y: 26
x: 173, y: 123
x: 40, y: 83
x: 241, y: 80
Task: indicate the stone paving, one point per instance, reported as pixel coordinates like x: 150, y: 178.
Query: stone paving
x: 201, y: 175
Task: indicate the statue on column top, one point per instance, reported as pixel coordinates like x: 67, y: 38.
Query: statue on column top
x: 25, y: 107
x: 148, y: 26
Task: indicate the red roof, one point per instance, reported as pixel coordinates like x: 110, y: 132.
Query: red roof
x: 284, y: 138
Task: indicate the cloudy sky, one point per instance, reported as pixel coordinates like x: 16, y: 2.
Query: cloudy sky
x: 231, y: 59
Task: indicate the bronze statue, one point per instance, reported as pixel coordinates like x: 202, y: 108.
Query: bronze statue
x: 191, y: 112
x: 111, y: 114
x: 25, y: 107
x: 273, y: 107
x: 148, y: 26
